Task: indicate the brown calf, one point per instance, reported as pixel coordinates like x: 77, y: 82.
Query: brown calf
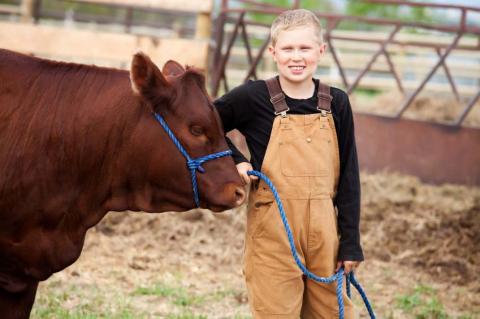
x: 78, y: 141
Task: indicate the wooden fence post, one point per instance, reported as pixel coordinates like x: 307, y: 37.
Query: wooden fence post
x: 27, y: 7
x: 203, y: 26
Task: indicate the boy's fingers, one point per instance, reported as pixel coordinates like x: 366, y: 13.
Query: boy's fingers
x: 339, y: 265
x: 246, y: 178
x: 348, y: 268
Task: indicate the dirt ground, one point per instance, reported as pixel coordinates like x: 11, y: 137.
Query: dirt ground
x: 421, y: 244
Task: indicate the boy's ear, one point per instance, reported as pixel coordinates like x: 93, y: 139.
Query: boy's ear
x: 271, y: 50
x: 323, y: 48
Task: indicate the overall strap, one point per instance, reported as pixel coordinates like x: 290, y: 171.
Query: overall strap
x: 277, y: 97
x: 280, y: 105
x: 324, y: 103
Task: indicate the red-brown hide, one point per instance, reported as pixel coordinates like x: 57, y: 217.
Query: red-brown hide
x: 78, y: 141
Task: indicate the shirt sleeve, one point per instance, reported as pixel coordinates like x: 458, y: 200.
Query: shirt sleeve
x: 237, y: 156
x: 234, y: 111
x: 347, y: 200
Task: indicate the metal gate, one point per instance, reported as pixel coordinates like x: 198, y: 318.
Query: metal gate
x: 436, y: 152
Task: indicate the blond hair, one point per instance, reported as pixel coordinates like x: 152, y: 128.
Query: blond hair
x: 291, y: 19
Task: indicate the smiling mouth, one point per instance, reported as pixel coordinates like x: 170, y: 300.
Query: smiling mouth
x: 296, y: 68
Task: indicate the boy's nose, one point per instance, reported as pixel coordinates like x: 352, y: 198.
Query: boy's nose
x: 296, y: 55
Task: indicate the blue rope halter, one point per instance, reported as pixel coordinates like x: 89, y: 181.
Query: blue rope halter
x: 192, y: 164
x: 335, y: 277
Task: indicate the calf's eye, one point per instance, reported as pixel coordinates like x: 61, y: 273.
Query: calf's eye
x: 196, y: 130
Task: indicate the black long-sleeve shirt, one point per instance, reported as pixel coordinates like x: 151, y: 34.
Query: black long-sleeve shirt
x: 248, y: 109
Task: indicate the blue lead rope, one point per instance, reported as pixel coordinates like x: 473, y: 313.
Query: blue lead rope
x: 335, y: 277
x: 192, y: 164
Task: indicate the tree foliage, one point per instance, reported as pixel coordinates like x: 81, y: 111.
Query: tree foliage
x: 360, y: 8
x: 314, y: 5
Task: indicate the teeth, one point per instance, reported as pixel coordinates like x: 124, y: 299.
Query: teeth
x: 297, y: 67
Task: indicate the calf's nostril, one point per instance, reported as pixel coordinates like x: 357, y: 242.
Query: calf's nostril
x: 239, y: 196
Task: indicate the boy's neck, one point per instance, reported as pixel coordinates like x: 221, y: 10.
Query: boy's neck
x: 298, y: 90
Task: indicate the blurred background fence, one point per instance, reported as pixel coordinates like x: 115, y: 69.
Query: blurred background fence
x: 107, y: 32
x: 413, y: 77
x: 412, y: 69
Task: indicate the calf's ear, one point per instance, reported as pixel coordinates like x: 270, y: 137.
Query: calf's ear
x: 147, y: 80
x: 173, y: 68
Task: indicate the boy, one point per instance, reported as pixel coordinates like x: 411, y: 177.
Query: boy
x: 303, y: 140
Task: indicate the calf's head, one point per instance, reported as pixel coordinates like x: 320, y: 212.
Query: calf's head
x: 179, y: 96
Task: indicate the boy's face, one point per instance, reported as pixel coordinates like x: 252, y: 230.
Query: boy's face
x: 296, y: 53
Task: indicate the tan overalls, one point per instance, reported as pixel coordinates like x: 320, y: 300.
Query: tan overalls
x: 302, y: 160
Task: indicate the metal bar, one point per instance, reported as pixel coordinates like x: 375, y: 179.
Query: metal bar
x: 260, y: 4
x: 467, y: 109
x: 394, y: 73
x: 217, y: 54
x: 247, y: 47
x: 328, y: 35
x: 407, y: 103
x: 379, y: 41
x: 405, y: 43
x: 372, y: 60
x: 423, y: 4
x: 225, y: 82
x: 337, y: 62
x: 360, y: 39
x: 223, y: 62
x: 463, y: 20
x: 369, y: 20
x: 449, y: 76
x: 253, y: 66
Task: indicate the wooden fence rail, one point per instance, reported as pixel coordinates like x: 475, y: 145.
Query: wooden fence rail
x: 103, y: 46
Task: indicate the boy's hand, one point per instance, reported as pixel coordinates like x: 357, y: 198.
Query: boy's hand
x: 243, y: 168
x: 348, y: 265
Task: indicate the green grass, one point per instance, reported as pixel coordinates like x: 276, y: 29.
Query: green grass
x: 80, y: 314
x: 178, y: 295
x: 367, y: 92
x: 181, y: 297
x: 219, y: 295
x: 186, y: 300
x: 158, y: 289
x: 187, y: 315
x: 72, y: 304
x: 56, y: 301
x: 423, y: 303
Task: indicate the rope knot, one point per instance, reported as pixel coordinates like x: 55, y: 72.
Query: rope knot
x: 195, y: 165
